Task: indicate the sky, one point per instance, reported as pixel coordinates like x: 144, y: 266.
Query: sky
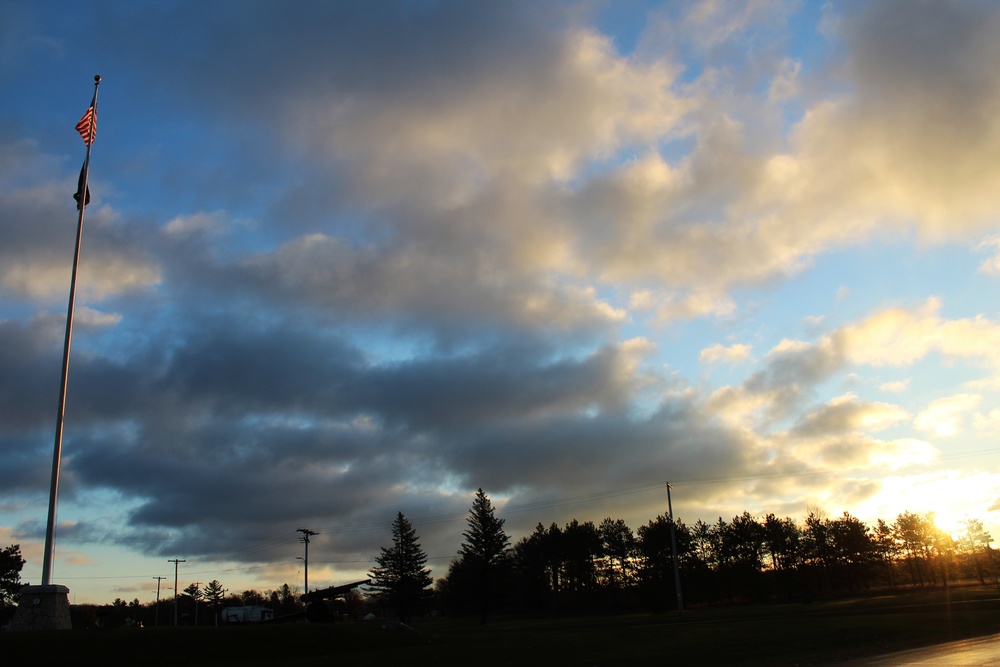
x: 349, y: 259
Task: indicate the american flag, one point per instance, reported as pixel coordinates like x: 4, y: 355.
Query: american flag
x: 87, y: 127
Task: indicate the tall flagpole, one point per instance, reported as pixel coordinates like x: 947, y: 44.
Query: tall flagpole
x: 50, y: 526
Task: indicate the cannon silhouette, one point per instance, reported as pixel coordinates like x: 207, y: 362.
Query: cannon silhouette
x: 316, y: 607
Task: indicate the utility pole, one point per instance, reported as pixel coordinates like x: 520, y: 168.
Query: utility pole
x: 673, y: 551
x: 306, y: 534
x: 215, y: 609
x: 175, y: 561
x: 156, y: 623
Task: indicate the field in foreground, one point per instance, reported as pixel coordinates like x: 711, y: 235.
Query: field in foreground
x: 785, y: 634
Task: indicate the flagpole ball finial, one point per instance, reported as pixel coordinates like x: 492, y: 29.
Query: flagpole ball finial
x: 97, y: 78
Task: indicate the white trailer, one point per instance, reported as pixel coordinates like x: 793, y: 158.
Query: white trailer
x: 249, y: 614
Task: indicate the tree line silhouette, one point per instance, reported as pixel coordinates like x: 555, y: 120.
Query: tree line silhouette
x: 584, y: 566
x: 588, y: 567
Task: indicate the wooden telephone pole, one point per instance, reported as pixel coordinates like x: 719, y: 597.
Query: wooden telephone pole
x: 673, y: 552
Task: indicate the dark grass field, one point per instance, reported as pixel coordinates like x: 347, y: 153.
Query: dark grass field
x: 818, y: 633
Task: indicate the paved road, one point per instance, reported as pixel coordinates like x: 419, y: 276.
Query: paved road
x: 966, y: 653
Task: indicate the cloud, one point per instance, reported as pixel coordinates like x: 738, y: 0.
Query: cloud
x: 37, y: 256
x: 990, y: 266
x: 897, y: 336
x: 785, y: 85
x: 911, y: 144
x: 451, y: 173
x: 895, y: 387
x: 471, y: 291
x: 733, y: 354
x: 197, y: 224
x: 987, y: 424
x: 946, y: 416
x: 837, y: 454
x: 846, y: 413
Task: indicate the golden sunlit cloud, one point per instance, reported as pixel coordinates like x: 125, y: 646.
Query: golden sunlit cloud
x: 736, y: 406
x: 900, y: 336
x: 846, y: 414
x: 733, y: 354
x: 988, y: 424
x: 107, y: 274
x: 903, y: 452
x: 894, y: 337
x: 895, y: 387
x: 697, y: 304
x: 946, y: 416
x: 642, y: 300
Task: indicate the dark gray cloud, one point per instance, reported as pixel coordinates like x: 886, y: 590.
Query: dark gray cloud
x: 239, y: 56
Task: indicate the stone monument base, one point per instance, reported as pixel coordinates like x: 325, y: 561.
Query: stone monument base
x: 42, y: 608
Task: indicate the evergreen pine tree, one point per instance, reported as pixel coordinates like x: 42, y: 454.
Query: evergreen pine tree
x: 400, y: 581
x: 214, y: 593
x: 484, y: 552
x: 11, y: 564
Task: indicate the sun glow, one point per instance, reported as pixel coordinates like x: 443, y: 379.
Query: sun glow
x: 951, y: 497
